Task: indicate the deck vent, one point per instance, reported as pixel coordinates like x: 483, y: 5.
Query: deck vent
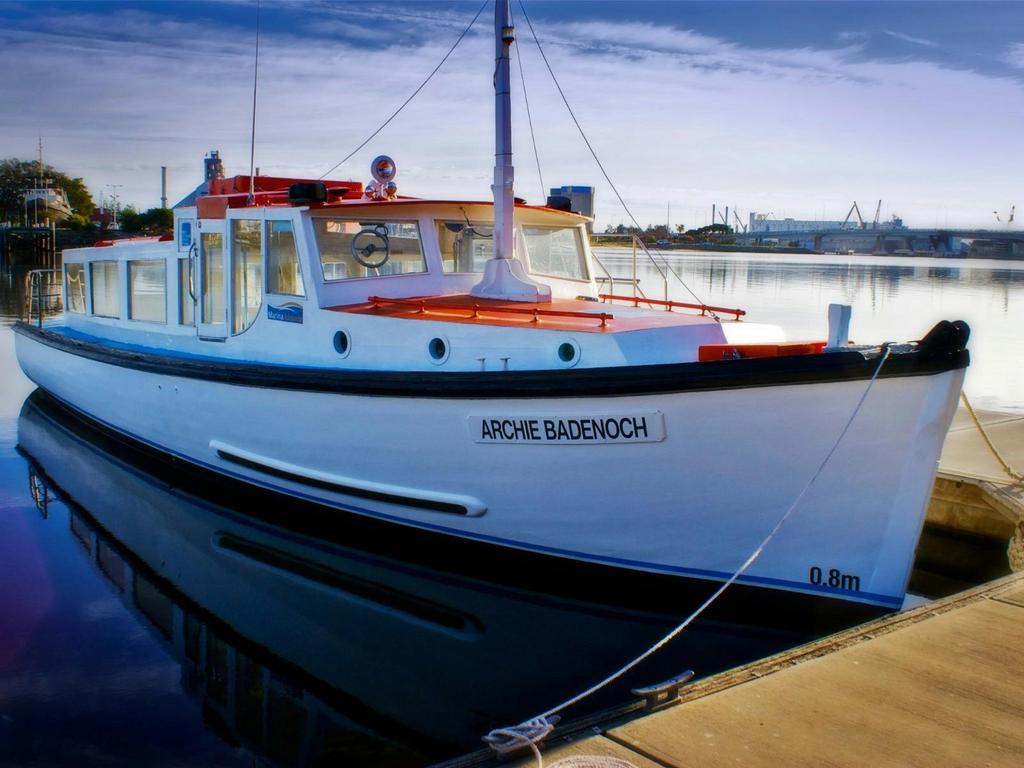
x: 307, y: 192
x: 560, y: 203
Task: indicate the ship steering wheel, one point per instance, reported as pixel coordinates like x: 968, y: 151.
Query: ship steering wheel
x: 376, y: 242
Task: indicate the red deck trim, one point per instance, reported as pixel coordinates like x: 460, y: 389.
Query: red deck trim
x: 558, y: 315
x: 669, y: 305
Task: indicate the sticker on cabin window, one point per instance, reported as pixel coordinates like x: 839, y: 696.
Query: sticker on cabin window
x: 289, y: 312
x: 572, y: 430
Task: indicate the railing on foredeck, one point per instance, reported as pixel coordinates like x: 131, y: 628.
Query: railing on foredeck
x: 476, y: 310
x: 637, y: 290
x: 43, y: 293
x: 670, y: 305
x: 664, y: 268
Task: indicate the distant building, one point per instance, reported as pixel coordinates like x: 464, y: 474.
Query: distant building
x: 213, y: 168
x: 103, y: 218
x: 759, y: 222
x: 581, y: 200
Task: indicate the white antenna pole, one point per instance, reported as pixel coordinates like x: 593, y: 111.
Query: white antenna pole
x: 504, y: 173
x: 252, y: 140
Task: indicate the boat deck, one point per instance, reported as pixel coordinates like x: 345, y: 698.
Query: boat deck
x: 575, y: 315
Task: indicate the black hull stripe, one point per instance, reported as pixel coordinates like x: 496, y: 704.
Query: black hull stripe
x: 576, y: 382
x: 348, y: 490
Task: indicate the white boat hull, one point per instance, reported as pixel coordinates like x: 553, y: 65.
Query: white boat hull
x: 396, y: 635
x: 693, y: 504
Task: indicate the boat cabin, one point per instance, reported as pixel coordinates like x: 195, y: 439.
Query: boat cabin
x: 332, y: 274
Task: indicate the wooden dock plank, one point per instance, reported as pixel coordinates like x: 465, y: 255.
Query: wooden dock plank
x: 940, y: 691
x: 1013, y: 596
x: 596, y: 746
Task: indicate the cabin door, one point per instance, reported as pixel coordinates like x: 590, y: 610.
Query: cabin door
x: 211, y: 277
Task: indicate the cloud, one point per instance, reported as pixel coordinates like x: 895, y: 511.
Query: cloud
x: 120, y: 92
x: 911, y: 39
x: 1014, y: 55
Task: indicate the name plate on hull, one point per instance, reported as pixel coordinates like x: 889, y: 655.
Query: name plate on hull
x: 648, y: 427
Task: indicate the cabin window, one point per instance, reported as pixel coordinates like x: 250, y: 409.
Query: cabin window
x: 465, y: 247
x: 74, y: 280
x: 213, y: 310
x: 147, y: 280
x: 186, y: 290
x: 556, y: 252
x: 283, y: 273
x: 105, y: 284
x: 246, y: 273
x: 353, y: 249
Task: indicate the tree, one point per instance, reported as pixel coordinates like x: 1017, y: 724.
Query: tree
x: 17, y: 176
x: 155, y: 221
x: 128, y: 219
x: 711, y: 230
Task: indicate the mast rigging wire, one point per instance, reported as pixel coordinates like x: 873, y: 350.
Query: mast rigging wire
x: 252, y: 138
x: 597, y: 160
x: 412, y: 96
x: 529, y: 118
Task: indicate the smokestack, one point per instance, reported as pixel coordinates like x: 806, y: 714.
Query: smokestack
x: 163, y: 186
x: 713, y: 222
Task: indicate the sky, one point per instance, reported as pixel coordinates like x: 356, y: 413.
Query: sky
x: 791, y: 108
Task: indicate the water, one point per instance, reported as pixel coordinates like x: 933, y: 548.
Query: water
x: 149, y: 621
x: 893, y: 299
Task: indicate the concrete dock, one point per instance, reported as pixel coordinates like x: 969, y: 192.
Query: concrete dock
x: 938, y: 685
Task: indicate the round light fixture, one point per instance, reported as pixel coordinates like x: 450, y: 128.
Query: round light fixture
x: 383, y: 169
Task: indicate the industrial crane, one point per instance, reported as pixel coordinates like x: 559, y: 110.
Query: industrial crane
x: 739, y: 221
x: 850, y: 213
x: 1009, y: 219
x: 878, y: 211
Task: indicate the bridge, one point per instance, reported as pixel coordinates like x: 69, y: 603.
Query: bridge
x: 991, y: 243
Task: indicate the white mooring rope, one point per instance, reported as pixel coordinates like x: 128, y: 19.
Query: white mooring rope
x: 529, y: 733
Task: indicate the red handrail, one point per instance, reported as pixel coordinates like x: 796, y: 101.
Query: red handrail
x: 423, y: 306
x: 704, y: 308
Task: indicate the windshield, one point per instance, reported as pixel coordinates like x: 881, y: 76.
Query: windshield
x: 353, y: 249
x: 550, y: 251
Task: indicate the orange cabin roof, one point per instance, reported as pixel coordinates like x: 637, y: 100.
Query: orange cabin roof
x: 233, y: 192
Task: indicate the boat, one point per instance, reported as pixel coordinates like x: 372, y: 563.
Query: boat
x: 446, y: 378
x: 420, y: 663
x: 45, y: 203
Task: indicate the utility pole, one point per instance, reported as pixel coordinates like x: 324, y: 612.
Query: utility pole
x: 115, y: 205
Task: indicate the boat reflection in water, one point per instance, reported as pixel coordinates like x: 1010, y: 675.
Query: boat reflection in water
x: 303, y: 650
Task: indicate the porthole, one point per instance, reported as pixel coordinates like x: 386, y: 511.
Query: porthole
x: 342, y: 343
x: 438, y: 349
x: 569, y: 353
